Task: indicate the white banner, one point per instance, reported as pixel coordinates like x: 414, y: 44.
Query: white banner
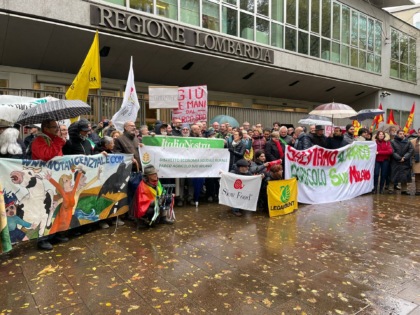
x: 238, y: 191
x: 163, y: 97
x: 332, y: 175
x: 192, y: 104
x: 130, y: 105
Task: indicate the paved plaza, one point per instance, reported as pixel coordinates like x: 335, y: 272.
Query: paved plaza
x: 360, y: 256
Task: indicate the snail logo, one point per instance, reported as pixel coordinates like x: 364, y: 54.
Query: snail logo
x: 145, y: 158
x: 238, y: 184
x: 285, y: 193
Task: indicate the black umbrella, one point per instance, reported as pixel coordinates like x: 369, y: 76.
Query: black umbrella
x: 57, y: 110
x: 367, y: 114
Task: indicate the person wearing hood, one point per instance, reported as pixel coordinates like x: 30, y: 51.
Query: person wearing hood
x: 336, y: 139
x: 401, y: 162
x: 78, y: 142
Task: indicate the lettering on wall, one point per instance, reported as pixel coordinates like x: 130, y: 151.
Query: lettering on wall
x: 163, y: 31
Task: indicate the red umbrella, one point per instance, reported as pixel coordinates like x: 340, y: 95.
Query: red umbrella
x: 334, y: 110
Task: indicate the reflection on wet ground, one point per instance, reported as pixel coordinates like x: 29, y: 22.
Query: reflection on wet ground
x: 354, y: 257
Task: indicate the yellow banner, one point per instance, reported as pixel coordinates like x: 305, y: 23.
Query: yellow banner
x: 89, y: 76
x: 282, y: 196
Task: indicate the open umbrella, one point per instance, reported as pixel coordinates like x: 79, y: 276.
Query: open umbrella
x: 221, y: 119
x: 367, y: 114
x: 315, y: 120
x: 57, y: 110
x: 334, y: 110
x: 385, y: 127
x: 11, y: 106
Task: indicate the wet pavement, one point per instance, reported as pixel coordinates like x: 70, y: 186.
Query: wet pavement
x: 354, y: 257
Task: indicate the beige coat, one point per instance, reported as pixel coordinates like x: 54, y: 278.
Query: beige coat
x: 416, y: 166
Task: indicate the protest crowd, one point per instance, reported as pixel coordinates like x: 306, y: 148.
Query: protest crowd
x: 254, y: 150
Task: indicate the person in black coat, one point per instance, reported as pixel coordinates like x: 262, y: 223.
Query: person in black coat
x: 106, y: 144
x: 236, y: 148
x: 336, y: 140
x: 318, y: 138
x: 303, y: 141
x: 78, y: 142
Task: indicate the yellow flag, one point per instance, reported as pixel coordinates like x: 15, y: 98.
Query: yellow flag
x: 282, y: 196
x: 89, y: 76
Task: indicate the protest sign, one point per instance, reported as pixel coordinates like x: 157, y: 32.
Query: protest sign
x: 43, y: 198
x: 238, y: 191
x: 179, y: 157
x: 192, y: 104
x: 282, y: 196
x: 332, y: 175
x: 163, y: 97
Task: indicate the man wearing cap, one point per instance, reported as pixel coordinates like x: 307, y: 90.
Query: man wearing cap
x: 150, y: 203
x: 33, y: 131
x: 319, y: 138
x: 78, y: 142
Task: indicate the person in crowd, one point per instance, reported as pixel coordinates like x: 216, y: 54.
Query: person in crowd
x: 312, y: 129
x: 150, y: 201
x: 258, y: 140
x: 276, y: 126
x: 267, y: 134
x: 275, y: 173
x: 195, y: 131
x: 348, y: 137
x: 11, y: 146
x: 260, y: 164
x: 383, y: 154
x: 33, y: 132
x: 392, y: 133
x: 335, y: 140
x: 64, y: 132
x: 246, y: 125
x: 303, y: 141
x: 115, y: 134
x: 169, y: 130
x: 93, y: 137
x: 144, y: 131
x: 129, y: 143
x: 290, y: 130
x: 274, y: 149
x: 368, y: 136
x: 401, y: 162
x: 185, y: 130
x: 45, y: 147
x: 416, y: 163
x: 107, y: 131
x: 100, y: 127
x: 284, y: 137
x: 78, y: 142
x: 216, y: 126
x: 105, y: 145
x: 176, y: 127
x: 236, y: 148
x: 318, y: 138
x: 362, y: 134
x: 241, y: 168
x: 247, y: 140
x: 259, y: 125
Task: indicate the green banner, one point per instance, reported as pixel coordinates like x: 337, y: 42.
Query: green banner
x: 183, y: 142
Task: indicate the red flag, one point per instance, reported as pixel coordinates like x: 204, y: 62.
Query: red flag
x: 410, y: 119
x: 378, y: 119
x: 391, y: 120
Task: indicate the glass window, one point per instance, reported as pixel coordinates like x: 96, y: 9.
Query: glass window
x: 336, y: 21
x: 190, y: 12
x: 362, y: 59
x: 395, y: 69
x: 412, y: 55
x: 354, y: 57
x: 315, y: 46
x: 370, y: 34
x: 325, y: 49
x: 354, y: 28
x: 142, y: 5
x: 246, y: 26
x: 378, y: 64
x: 277, y: 35
x: 263, y: 31
x: 395, y: 44
x: 229, y: 21
x: 345, y: 25
x: 290, y: 39
x: 277, y: 10
x: 291, y: 12
x: 210, y: 18
x: 247, y: 5
x: 378, y: 37
x: 303, y: 15
x: 326, y: 18
x: 315, y: 16
x: 345, y: 54
x: 119, y: 2
x: 262, y: 7
x: 412, y: 74
x: 167, y: 8
x: 335, y: 52
x: 370, y: 65
x: 362, y: 31
x: 303, y: 39
x: 230, y: 2
x: 403, y: 71
x: 404, y: 49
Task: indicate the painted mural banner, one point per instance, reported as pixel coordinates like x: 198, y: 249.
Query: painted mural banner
x: 179, y: 157
x: 239, y: 191
x: 42, y: 198
x: 192, y: 104
x: 332, y: 175
x: 282, y: 196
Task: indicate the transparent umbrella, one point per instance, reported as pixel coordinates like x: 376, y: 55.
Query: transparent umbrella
x: 221, y: 119
x: 334, y: 110
x: 315, y: 120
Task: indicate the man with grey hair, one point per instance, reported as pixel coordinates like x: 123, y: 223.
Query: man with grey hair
x: 128, y: 143
x: 284, y: 137
x: 303, y: 141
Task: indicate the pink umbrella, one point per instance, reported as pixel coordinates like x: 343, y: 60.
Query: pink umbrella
x: 334, y: 110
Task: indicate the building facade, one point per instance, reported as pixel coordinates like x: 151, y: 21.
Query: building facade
x: 256, y: 56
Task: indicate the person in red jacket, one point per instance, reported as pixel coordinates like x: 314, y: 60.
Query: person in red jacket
x: 383, y: 152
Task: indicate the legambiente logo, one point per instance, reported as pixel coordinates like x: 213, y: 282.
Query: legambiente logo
x: 285, y: 193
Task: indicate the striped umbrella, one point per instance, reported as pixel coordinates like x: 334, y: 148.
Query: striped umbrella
x: 334, y: 110
x: 57, y: 110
